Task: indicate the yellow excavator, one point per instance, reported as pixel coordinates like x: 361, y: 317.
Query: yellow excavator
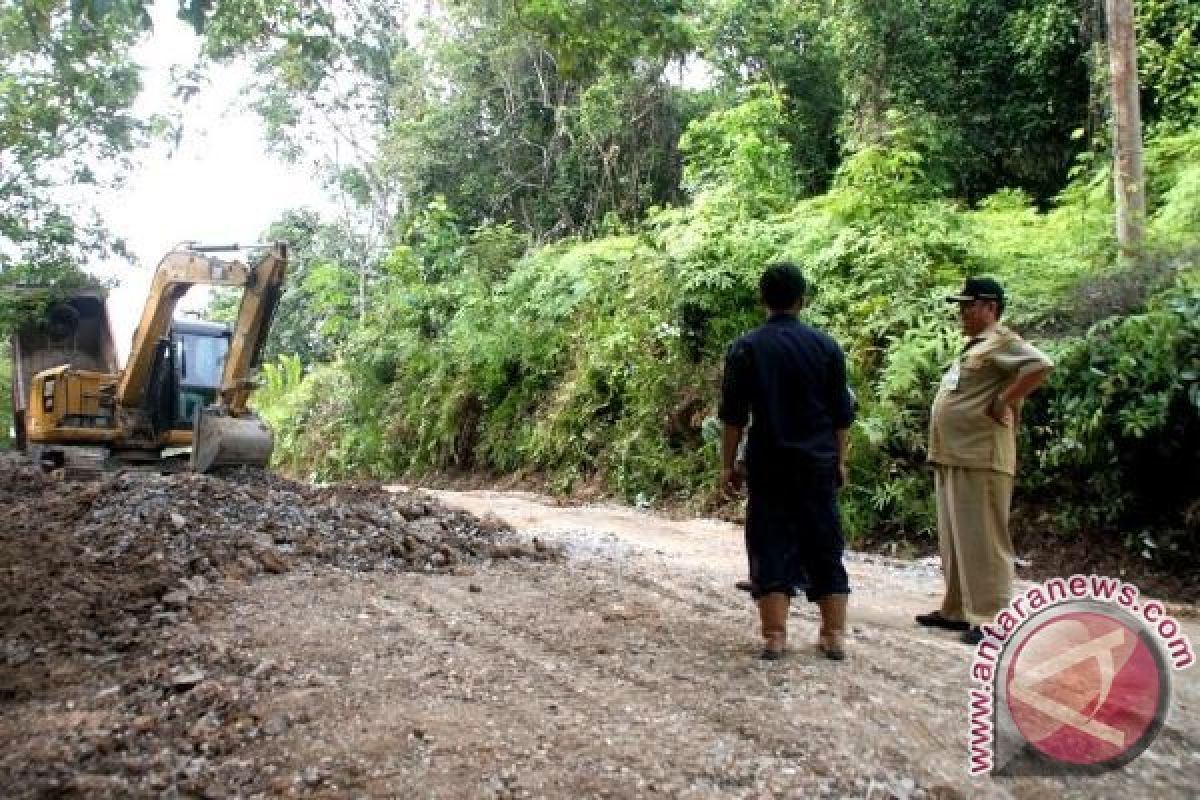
x: 184, y: 388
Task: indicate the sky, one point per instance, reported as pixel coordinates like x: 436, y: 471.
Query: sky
x: 219, y: 187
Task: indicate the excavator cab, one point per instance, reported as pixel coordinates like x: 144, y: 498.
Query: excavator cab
x: 200, y: 349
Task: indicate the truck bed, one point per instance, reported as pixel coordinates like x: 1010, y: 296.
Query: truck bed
x: 74, y: 331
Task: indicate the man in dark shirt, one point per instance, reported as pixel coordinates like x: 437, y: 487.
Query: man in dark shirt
x: 791, y: 378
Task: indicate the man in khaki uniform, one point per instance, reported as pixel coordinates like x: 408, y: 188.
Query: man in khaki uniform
x: 972, y: 446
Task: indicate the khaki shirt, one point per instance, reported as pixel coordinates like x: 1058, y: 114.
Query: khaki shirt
x: 961, y: 434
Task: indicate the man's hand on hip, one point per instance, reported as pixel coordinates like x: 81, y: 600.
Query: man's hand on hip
x: 1001, y: 411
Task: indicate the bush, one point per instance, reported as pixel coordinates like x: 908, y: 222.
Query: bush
x: 599, y: 362
x: 1119, y: 423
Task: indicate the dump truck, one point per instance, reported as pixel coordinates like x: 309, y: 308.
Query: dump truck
x: 184, y: 390
x: 75, y: 330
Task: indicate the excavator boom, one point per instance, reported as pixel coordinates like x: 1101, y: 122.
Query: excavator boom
x: 250, y: 330
x: 179, y: 271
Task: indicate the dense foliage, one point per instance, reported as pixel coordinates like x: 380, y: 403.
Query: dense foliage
x: 534, y: 315
x: 599, y: 360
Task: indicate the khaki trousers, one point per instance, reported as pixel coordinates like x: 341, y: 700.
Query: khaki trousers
x: 977, y: 551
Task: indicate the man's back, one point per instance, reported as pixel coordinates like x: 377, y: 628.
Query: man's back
x: 791, y: 378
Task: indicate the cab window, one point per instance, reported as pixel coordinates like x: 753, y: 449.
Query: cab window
x: 202, y: 358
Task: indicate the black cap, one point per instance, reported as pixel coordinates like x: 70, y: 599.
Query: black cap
x: 979, y: 289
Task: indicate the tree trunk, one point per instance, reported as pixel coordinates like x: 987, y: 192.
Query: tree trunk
x: 1128, y: 180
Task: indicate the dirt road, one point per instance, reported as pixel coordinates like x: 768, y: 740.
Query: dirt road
x: 626, y: 670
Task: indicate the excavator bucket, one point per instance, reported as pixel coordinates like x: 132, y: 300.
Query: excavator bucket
x: 220, y: 440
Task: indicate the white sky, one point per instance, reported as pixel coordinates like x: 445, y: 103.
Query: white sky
x: 219, y: 187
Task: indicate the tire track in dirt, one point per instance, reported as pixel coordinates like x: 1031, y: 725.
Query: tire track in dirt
x: 746, y: 718
x: 910, y: 683
x: 852, y: 686
x: 627, y: 671
x: 675, y: 742
x: 643, y: 689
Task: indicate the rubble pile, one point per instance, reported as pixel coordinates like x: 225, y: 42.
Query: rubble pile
x: 247, y: 521
x: 101, y: 582
x: 78, y: 554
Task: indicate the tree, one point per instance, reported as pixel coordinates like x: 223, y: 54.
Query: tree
x: 740, y: 156
x: 787, y: 46
x: 65, y: 109
x: 320, y: 305
x: 1001, y: 85
x: 1168, y: 33
x: 1129, y: 184
x: 590, y: 39
x: 326, y: 92
x: 552, y: 115
x: 510, y: 122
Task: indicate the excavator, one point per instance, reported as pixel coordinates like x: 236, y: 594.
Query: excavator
x: 185, y: 386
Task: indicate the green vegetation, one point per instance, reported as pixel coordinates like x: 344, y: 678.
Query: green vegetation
x: 598, y: 361
x: 553, y: 298
x: 6, y: 410
x: 65, y: 115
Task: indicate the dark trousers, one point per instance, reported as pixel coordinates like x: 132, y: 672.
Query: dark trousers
x: 794, y: 538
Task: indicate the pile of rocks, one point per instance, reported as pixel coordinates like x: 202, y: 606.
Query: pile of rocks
x: 100, y: 583
x: 81, y: 554
x: 245, y: 521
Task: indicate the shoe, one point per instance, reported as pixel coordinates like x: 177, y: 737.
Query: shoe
x: 934, y: 619
x: 830, y: 639
x: 773, y: 614
x: 973, y: 636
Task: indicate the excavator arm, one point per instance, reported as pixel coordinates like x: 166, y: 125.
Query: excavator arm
x: 81, y: 409
x: 251, y: 327
x: 228, y: 433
